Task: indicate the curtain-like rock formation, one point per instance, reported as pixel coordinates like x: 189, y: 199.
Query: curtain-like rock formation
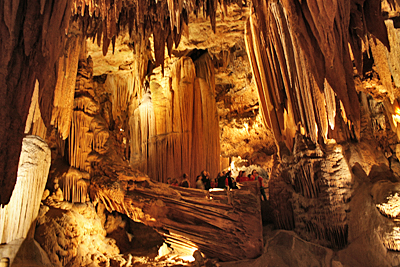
x: 302, y: 64
x: 175, y: 128
x: 188, y: 218
x: 34, y: 122
x: 318, y: 184
x: 17, y: 217
x: 308, y: 58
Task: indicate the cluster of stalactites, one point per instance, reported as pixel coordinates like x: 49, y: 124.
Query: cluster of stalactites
x: 122, y: 87
x: 303, y: 67
x: 75, y: 186
x: 166, y: 20
x: 175, y: 128
x: 84, y: 130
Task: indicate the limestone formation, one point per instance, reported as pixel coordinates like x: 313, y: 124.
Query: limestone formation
x: 177, y: 123
x: 18, y: 216
x: 73, y: 235
x: 183, y: 86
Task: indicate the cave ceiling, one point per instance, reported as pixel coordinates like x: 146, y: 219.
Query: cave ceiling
x: 241, y: 128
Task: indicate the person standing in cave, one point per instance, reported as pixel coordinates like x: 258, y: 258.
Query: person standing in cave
x: 175, y: 182
x: 199, y: 183
x: 262, y: 188
x: 221, y: 180
x: 239, y: 177
x: 206, y: 179
x: 260, y: 181
x: 214, y: 183
x: 243, y: 178
x: 254, y: 176
x: 185, y: 181
x: 228, y: 180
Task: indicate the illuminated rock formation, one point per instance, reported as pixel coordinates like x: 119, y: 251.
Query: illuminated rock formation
x: 17, y: 217
x: 73, y: 235
x: 221, y: 224
x: 100, y: 168
x: 312, y: 62
x: 177, y: 123
x: 327, y: 78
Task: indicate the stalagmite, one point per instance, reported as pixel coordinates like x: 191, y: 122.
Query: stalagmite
x: 17, y: 216
x: 31, y: 49
x: 321, y: 182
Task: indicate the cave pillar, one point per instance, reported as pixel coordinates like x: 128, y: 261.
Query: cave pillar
x: 18, y: 215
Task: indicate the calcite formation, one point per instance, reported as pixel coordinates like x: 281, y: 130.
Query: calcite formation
x: 18, y: 216
x: 222, y: 224
x: 177, y: 123
x: 31, y: 49
x: 327, y: 80
x: 318, y: 183
x: 99, y: 169
x: 73, y: 235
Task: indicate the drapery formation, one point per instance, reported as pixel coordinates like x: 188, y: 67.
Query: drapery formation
x: 300, y: 55
x: 175, y: 128
x: 310, y: 194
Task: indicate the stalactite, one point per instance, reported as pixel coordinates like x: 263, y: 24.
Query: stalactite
x: 67, y: 69
x: 122, y: 87
x: 80, y: 140
x: 25, y: 57
x: 75, y: 185
x: 34, y: 122
x: 181, y: 129
x: 209, y: 117
x: 302, y: 68
x: 142, y: 130
x: 85, y: 110
x: 101, y: 134
x: 17, y: 216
